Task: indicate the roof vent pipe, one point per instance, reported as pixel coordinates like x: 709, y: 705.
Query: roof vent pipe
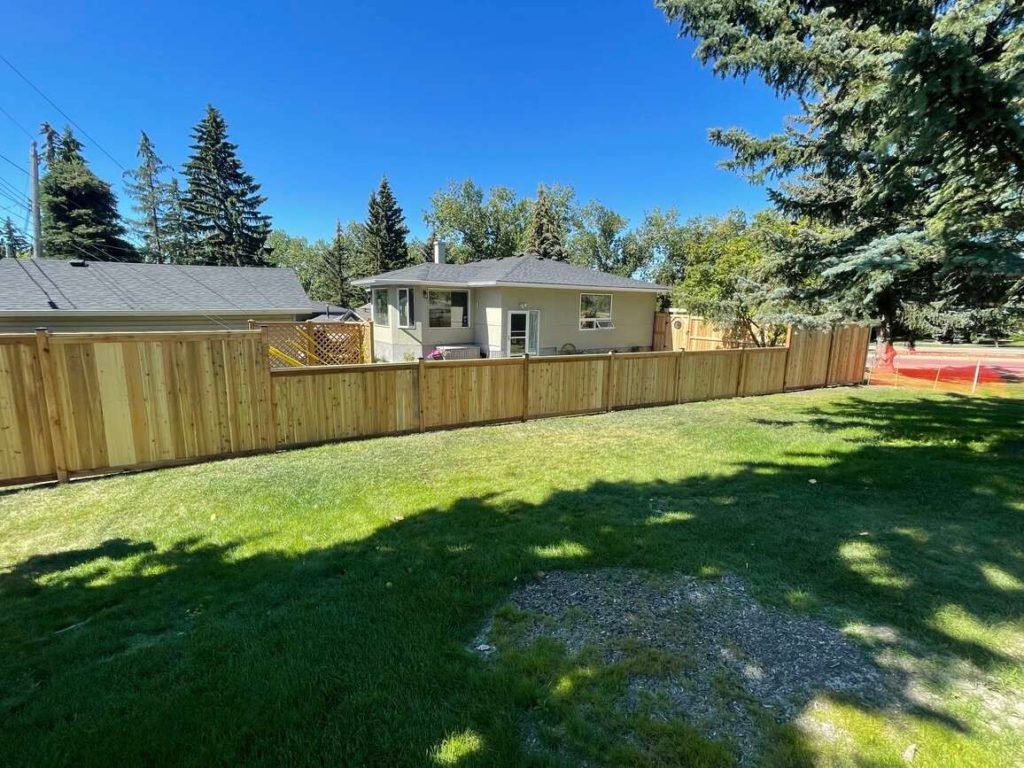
x: 440, y: 252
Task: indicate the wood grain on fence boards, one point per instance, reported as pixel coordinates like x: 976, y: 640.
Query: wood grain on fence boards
x: 146, y: 402
x: 25, y: 447
x: 708, y: 375
x: 763, y: 371
x: 484, y: 391
x: 849, y: 354
x: 340, y: 402
x: 645, y: 378
x: 807, y: 365
x: 567, y: 384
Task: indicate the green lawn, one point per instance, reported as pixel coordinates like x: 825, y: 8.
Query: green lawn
x: 315, y: 606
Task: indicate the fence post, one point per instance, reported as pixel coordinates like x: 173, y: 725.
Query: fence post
x: 526, y: 385
x: 311, y: 354
x: 420, y: 378
x: 267, y: 384
x: 789, y: 348
x: 609, y: 382
x: 369, y: 330
x: 48, y: 376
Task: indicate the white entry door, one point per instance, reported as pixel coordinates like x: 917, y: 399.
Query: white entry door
x: 523, y: 332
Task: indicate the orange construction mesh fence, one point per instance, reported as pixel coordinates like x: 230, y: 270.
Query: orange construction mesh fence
x: 970, y: 371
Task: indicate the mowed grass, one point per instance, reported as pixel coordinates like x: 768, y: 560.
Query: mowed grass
x: 316, y: 606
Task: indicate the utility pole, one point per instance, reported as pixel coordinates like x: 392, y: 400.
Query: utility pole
x: 37, y: 227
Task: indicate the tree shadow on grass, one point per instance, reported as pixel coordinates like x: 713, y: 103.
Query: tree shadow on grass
x: 355, y: 654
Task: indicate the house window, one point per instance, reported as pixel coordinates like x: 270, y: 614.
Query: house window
x: 595, y: 311
x: 380, y: 307
x: 449, y: 309
x: 405, y: 316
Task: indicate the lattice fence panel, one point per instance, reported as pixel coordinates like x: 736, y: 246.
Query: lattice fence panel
x: 294, y: 345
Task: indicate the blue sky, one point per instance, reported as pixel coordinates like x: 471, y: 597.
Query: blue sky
x: 325, y: 97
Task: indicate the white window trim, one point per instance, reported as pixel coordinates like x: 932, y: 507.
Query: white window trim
x: 387, y: 311
x: 469, y: 308
x: 412, y: 314
x: 611, y: 311
x: 508, y: 331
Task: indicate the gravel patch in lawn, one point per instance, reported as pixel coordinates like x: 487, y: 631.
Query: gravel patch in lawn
x: 744, y: 667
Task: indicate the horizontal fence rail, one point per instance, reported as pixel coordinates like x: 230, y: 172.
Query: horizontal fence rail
x: 80, y: 404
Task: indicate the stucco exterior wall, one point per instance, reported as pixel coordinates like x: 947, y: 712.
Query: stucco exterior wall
x: 65, y: 324
x: 632, y: 314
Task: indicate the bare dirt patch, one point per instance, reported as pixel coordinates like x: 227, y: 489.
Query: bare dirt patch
x: 729, y: 666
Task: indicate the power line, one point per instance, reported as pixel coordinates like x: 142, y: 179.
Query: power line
x: 21, y: 127
x: 65, y: 114
x: 14, y: 164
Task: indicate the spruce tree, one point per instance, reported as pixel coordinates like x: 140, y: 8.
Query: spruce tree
x: 545, y: 236
x: 222, y: 202
x: 12, y: 243
x: 384, y: 247
x: 79, y: 211
x: 338, y: 266
x: 176, y: 239
x: 908, y: 156
x: 150, y: 194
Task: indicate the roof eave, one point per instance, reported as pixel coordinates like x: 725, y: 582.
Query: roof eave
x: 156, y: 312
x: 371, y: 282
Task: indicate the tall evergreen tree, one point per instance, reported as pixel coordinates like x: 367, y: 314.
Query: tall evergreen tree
x: 12, y: 243
x: 222, y: 202
x: 545, y: 236
x: 384, y: 247
x: 79, y: 211
x: 150, y: 194
x: 908, y: 154
x: 177, y: 241
x: 338, y: 267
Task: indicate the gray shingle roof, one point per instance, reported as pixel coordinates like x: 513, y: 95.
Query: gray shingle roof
x: 30, y: 285
x: 529, y: 269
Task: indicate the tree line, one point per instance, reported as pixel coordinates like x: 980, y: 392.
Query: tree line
x: 897, y: 190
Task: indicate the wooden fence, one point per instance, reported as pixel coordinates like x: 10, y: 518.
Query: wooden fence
x: 80, y: 404
x: 674, y: 331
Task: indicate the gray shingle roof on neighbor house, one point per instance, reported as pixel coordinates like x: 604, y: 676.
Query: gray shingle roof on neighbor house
x: 529, y: 269
x: 41, y: 286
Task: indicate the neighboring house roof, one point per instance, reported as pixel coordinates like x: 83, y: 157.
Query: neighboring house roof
x: 527, y: 270
x: 365, y: 312
x: 45, y: 286
x: 332, y: 313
